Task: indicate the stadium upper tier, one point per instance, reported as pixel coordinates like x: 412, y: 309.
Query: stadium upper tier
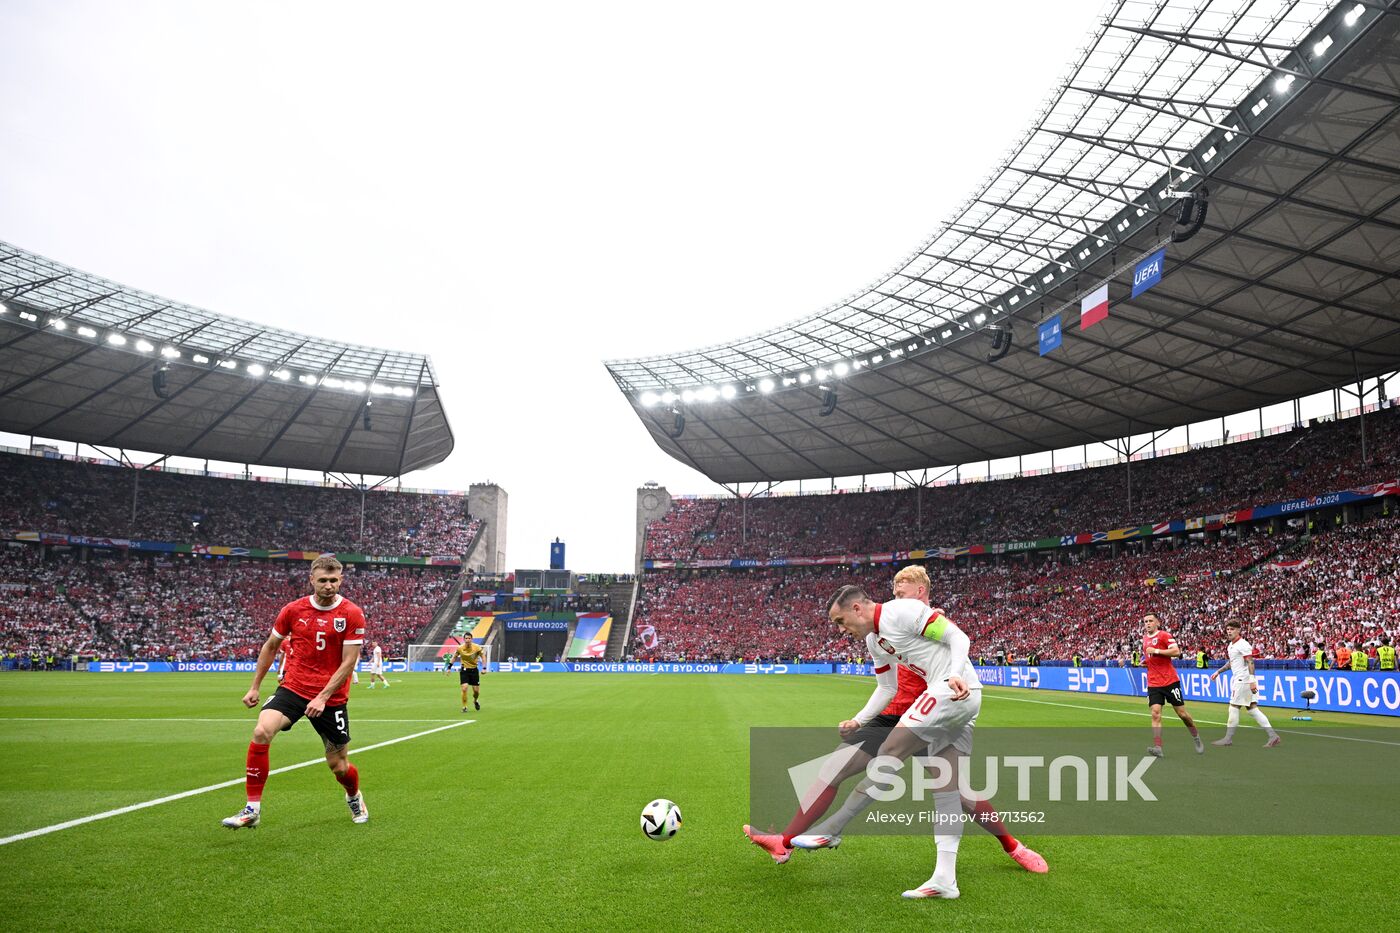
x: 1277, y: 123
x: 1306, y: 461
x: 85, y: 359
x: 189, y: 608
x: 62, y: 497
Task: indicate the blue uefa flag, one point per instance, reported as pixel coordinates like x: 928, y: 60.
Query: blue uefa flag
x: 1149, y: 272
x: 1050, y: 336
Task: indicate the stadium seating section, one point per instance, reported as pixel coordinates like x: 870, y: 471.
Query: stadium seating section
x: 87, y: 499
x: 187, y: 607
x: 1340, y: 585
x: 1201, y: 482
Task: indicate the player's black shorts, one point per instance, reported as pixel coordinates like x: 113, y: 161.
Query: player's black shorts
x: 333, y: 725
x: 470, y: 675
x: 873, y: 734
x: 1161, y: 696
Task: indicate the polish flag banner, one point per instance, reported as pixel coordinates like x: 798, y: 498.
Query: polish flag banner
x: 1094, y: 307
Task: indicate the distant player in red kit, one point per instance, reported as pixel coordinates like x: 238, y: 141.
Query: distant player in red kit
x: 326, y: 630
x: 1163, y: 686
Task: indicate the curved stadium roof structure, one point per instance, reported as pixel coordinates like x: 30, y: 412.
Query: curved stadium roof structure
x: 1281, y: 115
x: 80, y: 359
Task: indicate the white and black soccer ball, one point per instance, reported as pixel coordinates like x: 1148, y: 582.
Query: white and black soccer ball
x: 661, y: 819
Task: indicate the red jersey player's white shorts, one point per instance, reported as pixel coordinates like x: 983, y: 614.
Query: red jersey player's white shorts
x: 941, y: 721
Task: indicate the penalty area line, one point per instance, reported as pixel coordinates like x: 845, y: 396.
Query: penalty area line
x: 69, y: 824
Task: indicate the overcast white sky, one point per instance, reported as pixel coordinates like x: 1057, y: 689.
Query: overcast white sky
x: 521, y: 190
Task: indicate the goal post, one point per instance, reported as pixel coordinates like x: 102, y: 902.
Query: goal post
x: 432, y: 657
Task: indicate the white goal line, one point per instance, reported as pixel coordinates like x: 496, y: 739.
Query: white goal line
x: 69, y: 824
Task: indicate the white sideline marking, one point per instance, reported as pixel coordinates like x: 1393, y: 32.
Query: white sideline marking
x: 175, y: 719
x: 18, y: 837
x: 1209, y: 722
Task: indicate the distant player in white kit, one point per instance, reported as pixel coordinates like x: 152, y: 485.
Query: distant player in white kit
x: 939, y: 720
x: 1244, y: 693
x: 376, y: 667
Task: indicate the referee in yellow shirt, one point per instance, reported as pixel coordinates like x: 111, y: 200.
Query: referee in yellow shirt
x: 470, y: 654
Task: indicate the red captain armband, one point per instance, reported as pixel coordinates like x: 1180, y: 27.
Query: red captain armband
x: 882, y: 669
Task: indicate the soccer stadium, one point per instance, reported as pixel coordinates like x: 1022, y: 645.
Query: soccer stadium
x: 1103, y: 474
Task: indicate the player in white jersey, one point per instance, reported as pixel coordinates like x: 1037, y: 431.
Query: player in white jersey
x: 376, y: 667
x: 911, y: 582
x: 940, y: 719
x: 1244, y: 692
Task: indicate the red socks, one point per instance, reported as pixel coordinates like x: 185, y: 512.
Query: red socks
x: 350, y: 780
x: 806, y: 818
x: 257, y: 771
x: 985, y: 816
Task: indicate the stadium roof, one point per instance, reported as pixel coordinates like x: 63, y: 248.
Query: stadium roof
x: 79, y: 361
x: 1281, y: 115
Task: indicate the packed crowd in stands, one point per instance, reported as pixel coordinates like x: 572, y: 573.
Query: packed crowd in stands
x: 181, y: 607
x: 1305, y: 461
x: 1288, y: 591
x: 63, y: 497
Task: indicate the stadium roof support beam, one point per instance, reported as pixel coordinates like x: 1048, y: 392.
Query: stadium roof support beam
x: 1199, y: 44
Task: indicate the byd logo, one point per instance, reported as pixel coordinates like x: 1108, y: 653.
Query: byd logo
x: 1088, y: 679
x: 123, y: 667
x: 521, y: 667
x: 765, y: 668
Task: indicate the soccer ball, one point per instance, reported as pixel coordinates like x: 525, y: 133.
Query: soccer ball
x: 661, y: 819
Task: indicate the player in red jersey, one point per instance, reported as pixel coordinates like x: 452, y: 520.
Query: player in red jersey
x: 1163, y: 686
x: 866, y: 732
x: 327, y: 631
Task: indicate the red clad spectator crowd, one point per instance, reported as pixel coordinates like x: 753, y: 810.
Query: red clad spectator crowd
x: 1289, y: 592
x: 135, y: 607
x: 64, y: 497
x: 1343, y: 586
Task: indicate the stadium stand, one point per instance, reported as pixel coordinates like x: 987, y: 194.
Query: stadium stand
x: 63, y: 497
x: 1308, y: 460
x: 1084, y: 601
x: 1341, y: 585
x: 187, y: 607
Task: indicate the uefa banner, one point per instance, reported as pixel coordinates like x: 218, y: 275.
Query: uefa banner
x: 1374, y: 692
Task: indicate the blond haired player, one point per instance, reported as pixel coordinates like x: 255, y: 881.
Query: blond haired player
x: 470, y: 654
x: 868, y: 730
x: 1244, y: 693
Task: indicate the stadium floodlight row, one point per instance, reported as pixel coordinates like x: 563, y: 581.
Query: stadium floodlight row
x: 1275, y: 122
x: 91, y: 361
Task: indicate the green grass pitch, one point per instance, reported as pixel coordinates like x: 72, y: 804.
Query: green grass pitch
x: 528, y: 819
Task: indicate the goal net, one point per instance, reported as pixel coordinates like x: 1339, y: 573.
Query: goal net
x: 434, y: 657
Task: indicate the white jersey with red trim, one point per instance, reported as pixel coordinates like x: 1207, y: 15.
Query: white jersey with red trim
x: 1240, y: 652
x: 925, y: 640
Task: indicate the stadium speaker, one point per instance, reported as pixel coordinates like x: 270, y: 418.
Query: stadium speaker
x: 1001, y: 341
x: 1192, y: 216
x: 828, y: 402
x: 677, y: 426
x: 368, y: 426
x: 160, y: 381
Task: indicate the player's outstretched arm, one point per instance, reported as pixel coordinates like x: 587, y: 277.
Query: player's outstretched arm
x: 265, y: 656
x: 349, y: 657
x: 1221, y: 669
x: 939, y: 627
x: 886, y: 684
